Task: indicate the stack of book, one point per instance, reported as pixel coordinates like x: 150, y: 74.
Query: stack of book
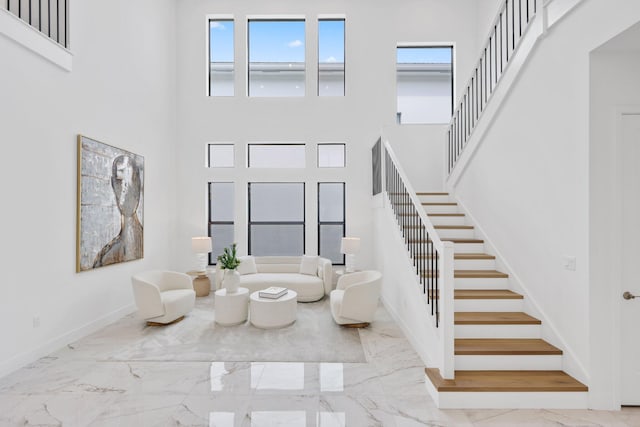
x: 273, y: 292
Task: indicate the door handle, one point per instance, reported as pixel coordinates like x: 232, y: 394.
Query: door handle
x: 628, y: 295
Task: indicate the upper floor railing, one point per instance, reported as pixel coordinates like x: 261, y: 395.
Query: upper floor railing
x: 505, y: 34
x: 50, y: 17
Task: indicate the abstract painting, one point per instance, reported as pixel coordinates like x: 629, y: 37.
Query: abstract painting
x: 110, y: 207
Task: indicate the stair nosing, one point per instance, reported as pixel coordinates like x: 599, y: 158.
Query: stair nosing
x: 494, y: 318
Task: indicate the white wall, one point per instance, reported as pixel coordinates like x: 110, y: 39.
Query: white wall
x: 614, y: 87
x: 528, y: 183
x: 121, y: 91
x: 373, y: 30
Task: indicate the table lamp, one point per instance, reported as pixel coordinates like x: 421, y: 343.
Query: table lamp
x: 201, y: 246
x: 350, y: 246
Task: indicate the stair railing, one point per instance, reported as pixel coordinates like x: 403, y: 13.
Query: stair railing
x: 507, y: 30
x: 431, y: 257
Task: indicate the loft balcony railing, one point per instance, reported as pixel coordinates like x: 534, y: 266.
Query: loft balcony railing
x: 50, y: 17
x: 505, y: 35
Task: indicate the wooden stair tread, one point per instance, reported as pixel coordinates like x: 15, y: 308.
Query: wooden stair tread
x: 494, y: 318
x: 504, y: 346
x: 445, y: 214
x: 506, y: 381
x: 453, y: 240
x: 485, y: 294
x: 475, y: 274
x: 453, y: 227
x: 464, y: 256
x: 432, y: 194
x: 439, y: 203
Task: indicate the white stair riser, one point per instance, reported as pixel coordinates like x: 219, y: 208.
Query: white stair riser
x: 488, y: 305
x: 508, y: 363
x: 489, y: 283
x: 441, y: 198
x: 497, y: 331
x: 474, y: 264
x: 441, y: 209
x: 456, y: 233
x: 447, y: 220
x: 509, y: 400
x: 468, y: 248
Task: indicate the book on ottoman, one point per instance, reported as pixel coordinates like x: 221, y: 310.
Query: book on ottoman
x: 273, y: 292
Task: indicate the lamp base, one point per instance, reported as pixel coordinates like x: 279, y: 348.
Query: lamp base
x: 201, y: 263
x: 350, y: 263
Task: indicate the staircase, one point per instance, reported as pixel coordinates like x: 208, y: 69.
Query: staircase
x: 500, y: 359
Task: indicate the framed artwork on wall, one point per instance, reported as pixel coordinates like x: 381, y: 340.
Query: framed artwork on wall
x: 110, y: 208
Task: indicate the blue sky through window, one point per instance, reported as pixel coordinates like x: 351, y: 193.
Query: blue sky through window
x: 221, y: 40
x: 331, y: 40
x: 424, y: 55
x: 276, y: 41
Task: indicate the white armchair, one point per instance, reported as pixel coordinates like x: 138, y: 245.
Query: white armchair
x: 355, y: 299
x: 163, y: 297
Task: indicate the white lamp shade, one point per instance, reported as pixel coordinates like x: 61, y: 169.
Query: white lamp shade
x: 350, y: 245
x: 201, y: 245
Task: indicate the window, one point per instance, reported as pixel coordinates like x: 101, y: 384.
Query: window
x: 221, y: 156
x: 331, y: 155
x: 331, y: 57
x: 221, y: 55
x: 220, y: 217
x: 276, y: 156
x: 331, y: 226
x: 424, y: 84
x: 276, y: 218
x: 276, y: 58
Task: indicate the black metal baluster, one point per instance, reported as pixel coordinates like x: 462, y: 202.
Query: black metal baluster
x: 49, y: 17
x: 513, y: 25
x: 501, y: 37
x: 437, y: 293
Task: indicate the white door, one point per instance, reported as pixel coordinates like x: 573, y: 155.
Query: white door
x: 630, y: 308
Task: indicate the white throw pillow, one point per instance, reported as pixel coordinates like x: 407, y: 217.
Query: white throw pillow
x: 247, y: 265
x: 309, y: 265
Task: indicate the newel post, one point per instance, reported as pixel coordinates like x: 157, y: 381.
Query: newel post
x: 447, y: 311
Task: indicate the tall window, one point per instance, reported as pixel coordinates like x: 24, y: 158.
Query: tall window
x: 276, y: 218
x: 221, y: 55
x: 331, y: 226
x: 331, y: 57
x: 220, y: 217
x: 424, y: 79
x: 276, y: 57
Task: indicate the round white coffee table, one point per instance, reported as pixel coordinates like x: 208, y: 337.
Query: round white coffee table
x: 231, y: 309
x: 267, y: 313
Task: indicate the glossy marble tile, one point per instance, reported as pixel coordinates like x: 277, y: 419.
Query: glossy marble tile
x: 197, y: 373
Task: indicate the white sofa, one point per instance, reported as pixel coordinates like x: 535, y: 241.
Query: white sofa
x: 285, y: 271
x: 163, y: 297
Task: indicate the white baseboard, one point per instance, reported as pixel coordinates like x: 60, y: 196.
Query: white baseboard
x: 23, y: 359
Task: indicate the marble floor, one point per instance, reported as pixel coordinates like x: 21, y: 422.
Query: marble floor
x: 196, y: 373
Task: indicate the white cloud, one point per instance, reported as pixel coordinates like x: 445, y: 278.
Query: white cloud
x: 217, y: 25
x: 331, y: 59
x: 295, y: 43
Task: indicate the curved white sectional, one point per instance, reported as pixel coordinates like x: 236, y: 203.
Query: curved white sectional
x: 284, y: 271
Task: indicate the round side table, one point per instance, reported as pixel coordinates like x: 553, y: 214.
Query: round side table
x: 268, y: 313
x: 201, y: 283
x: 231, y: 309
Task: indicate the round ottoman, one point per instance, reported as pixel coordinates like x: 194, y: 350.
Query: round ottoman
x: 231, y: 309
x: 268, y: 313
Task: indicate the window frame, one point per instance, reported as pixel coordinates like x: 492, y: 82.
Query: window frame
x: 304, y: 214
x: 210, y: 18
x: 344, y: 215
x: 276, y: 18
x: 344, y: 54
x: 303, y: 144
x: 443, y: 45
x: 210, y: 222
x: 344, y: 155
x: 210, y: 144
